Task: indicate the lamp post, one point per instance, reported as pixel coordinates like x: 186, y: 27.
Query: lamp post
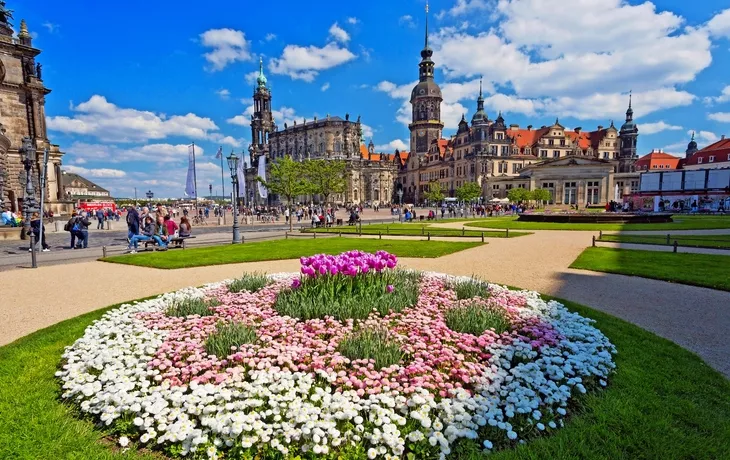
x: 233, y: 166
x: 27, y: 152
x: 400, y: 207
x: 149, y: 195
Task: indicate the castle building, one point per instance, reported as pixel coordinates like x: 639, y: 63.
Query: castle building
x: 370, y: 175
x: 578, y: 167
x: 22, y: 114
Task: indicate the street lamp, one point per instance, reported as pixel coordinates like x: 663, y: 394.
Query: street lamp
x: 233, y: 166
x: 149, y: 195
x: 27, y: 152
x: 400, y: 207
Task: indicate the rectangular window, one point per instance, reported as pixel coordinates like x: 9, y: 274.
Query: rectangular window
x: 570, y: 189
x: 615, y: 155
x: 494, y: 150
x: 500, y: 136
x: 556, y: 153
x: 505, y: 150
x: 712, y: 158
x: 521, y: 186
x: 551, y: 142
x: 543, y: 153
x: 605, y: 155
x: 516, y: 168
x: 593, y: 192
x: 699, y: 160
x: 508, y: 186
x: 495, y: 187
x: 562, y: 142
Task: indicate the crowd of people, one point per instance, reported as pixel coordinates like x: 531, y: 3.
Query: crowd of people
x: 158, y: 226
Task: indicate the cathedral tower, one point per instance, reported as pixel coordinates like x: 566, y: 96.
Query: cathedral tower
x: 262, y: 122
x: 426, y: 100
x: 628, y: 135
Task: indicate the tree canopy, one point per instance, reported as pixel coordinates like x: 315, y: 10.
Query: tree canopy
x: 541, y: 195
x: 434, y: 192
x: 325, y: 177
x: 469, y: 191
x: 519, y: 194
x: 286, y: 178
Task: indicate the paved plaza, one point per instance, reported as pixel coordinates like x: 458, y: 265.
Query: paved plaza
x: 695, y: 318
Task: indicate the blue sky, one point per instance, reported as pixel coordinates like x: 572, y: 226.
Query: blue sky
x: 135, y: 82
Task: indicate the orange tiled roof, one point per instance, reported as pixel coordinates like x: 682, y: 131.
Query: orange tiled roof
x: 720, y: 150
x: 376, y: 156
x: 526, y: 137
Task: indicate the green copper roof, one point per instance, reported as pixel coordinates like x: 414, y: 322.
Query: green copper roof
x: 261, y: 79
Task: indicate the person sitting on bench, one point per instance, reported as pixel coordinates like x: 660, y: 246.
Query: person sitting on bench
x: 146, y: 233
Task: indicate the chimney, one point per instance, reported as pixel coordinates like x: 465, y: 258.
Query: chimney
x: 600, y: 127
x: 577, y: 130
x: 722, y: 138
x: 529, y: 127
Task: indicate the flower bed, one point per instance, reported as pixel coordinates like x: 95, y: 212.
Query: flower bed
x: 401, y: 382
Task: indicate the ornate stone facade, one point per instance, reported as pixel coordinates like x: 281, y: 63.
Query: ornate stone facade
x: 370, y: 175
x: 22, y: 113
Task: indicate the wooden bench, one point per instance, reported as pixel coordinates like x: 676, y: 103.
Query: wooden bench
x: 173, y: 243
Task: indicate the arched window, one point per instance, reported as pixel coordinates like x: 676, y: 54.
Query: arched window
x: 338, y: 146
x: 355, y: 197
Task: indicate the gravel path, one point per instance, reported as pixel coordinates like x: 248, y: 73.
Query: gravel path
x: 695, y: 318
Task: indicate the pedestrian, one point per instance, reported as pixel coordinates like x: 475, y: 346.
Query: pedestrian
x: 39, y: 230
x: 83, y: 232
x: 146, y: 233
x: 73, y: 228
x: 133, y: 222
x: 100, y: 219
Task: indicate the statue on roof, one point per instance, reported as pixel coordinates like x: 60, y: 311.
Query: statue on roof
x: 5, y: 14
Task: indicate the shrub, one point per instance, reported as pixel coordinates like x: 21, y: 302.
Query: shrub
x: 344, y: 297
x: 250, y: 282
x: 228, y: 335
x: 470, y: 288
x: 371, y: 344
x: 187, y: 307
x: 474, y: 319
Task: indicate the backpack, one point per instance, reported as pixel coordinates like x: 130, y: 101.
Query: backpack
x: 70, y: 224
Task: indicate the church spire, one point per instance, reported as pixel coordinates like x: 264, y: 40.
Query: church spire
x: 426, y: 66
x: 426, y: 42
x: 261, y: 79
x: 630, y: 111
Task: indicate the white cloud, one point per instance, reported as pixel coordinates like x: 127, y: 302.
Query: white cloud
x: 352, y: 20
x: 723, y: 97
x: 392, y: 146
x: 228, y: 46
x: 270, y: 37
x: 282, y: 115
x: 226, y: 140
x: 719, y: 25
x: 339, y: 34
x: 51, y: 27
x: 79, y: 161
x: 367, y: 131
x: 155, y: 153
x: 103, y: 172
x: 407, y: 21
x: 722, y: 117
x: 657, y: 127
x: 463, y: 7
x: 326, y: 86
x: 251, y: 77
x: 102, y: 119
x: 305, y: 63
x: 246, y: 100
x: 223, y: 93
x: 705, y: 137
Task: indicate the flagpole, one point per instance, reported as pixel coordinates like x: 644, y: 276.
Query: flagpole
x: 220, y: 150
x: 195, y: 178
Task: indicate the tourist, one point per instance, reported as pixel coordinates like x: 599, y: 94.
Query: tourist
x: 39, y: 230
x: 100, y: 219
x: 171, y: 226
x: 83, y: 232
x: 160, y: 210
x: 146, y: 233
x: 72, y: 227
x: 185, y: 227
x: 161, y: 236
x: 133, y: 221
x: 144, y: 214
x: 9, y: 218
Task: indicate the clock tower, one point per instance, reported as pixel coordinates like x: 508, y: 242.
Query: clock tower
x: 426, y: 100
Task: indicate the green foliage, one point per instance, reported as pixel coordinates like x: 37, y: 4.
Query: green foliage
x: 188, y: 307
x: 345, y: 297
x: 473, y: 318
x: 469, y: 191
x: 288, y: 179
x: 468, y: 289
x: 250, y: 282
x: 518, y: 194
x: 434, y: 193
x: 325, y: 177
x: 540, y: 195
x: 227, y: 336
x: 371, y: 344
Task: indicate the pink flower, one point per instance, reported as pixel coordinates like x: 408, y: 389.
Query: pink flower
x: 296, y: 282
x: 389, y: 288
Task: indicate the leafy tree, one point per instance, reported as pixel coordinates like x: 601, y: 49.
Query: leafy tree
x: 469, y: 191
x: 518, y: 194
x: 325, y: 177
x: 287, y: 178
x: 434, y: 193
x: 541, y: 195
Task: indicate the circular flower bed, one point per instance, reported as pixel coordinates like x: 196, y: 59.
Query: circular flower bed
x: 291, y: 364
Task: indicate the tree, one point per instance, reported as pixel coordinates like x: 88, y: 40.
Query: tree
x: 469, y: 191
x: 434, y: 193
x: 541, y: 195
x: 518, y: 194
x: 325, y: 177
x: 287, y: 179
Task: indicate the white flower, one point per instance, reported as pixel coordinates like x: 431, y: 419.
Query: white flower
x: 124, y: 441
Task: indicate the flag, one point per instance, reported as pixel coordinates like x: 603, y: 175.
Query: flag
x: 242, y: 177
x: 263, y: 193
x: 190, y: 183
x: 219, y: 155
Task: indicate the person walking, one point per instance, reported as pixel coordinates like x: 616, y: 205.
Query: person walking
x: 73, y: 228
x: 100, y: 219
x: 39, y: 231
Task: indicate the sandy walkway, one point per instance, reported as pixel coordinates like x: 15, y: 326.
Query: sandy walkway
x: 695, y: 318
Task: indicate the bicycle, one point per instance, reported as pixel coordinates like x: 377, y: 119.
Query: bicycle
x: 198, y: 220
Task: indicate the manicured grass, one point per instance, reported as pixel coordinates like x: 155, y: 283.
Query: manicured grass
x: 705, y: 270
x: 695, y: 241
x: 287, y: 249
x: 663, y: 402
x: 416, y: 229
x: 681, y: 222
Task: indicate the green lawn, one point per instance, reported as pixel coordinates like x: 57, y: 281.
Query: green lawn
x: 286, y: 249
x: 696, y: 269
x: 663, y: 402
x: 415, y: 229
x: 696, y: 241
x: 681, y: 222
